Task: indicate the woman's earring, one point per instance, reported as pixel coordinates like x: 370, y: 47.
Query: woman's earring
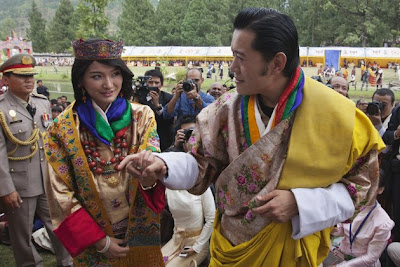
x: 84, y: 95
x: 121, y: 94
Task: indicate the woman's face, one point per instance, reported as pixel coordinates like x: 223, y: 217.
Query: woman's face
x: 102, y: 83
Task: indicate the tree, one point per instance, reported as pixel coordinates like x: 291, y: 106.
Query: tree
x: 37, y: 30
x: 362, y: 22
x: 93, y: 21
x: 169, y: 16
x: 136, y: 23
x: 7, y: 27
x: 61, y: 30
x: 205, y: 24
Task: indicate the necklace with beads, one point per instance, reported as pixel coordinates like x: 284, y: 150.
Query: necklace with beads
x: 98, y: 164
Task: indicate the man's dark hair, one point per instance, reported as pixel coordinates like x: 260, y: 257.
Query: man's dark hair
x: 183, y: 120
x: 56, y: 109
x: 274, y: 32
x: 155, y: 73
x: 53, y: 101
x: 383, y: 92
x: 38, y: 81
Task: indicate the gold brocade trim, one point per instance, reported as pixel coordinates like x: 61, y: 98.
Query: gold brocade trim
x: 32, y: 140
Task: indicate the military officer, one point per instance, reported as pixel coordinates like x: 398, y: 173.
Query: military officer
x: 23, y: 117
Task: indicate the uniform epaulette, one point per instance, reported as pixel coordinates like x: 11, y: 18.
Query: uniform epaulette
x: 39, y: 96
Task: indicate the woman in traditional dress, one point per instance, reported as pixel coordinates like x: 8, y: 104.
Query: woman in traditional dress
x: 103, y: 215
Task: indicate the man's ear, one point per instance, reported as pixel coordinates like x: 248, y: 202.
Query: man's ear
x: 279, y: 62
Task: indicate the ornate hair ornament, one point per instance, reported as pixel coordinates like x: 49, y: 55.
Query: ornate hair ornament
x: 97, y: 49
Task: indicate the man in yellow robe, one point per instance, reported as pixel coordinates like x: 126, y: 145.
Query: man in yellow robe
x: 288, y: 156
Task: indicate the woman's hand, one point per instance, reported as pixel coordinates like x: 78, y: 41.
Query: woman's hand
x: 115, y: 250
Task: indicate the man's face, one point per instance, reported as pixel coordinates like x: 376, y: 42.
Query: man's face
x: 155, y: 82
x: 387, y: 104
x: 216, y: 90
x: 40, y: 83
x: 340, y: 85
x: 63, y: 99
x: 195, y: 75
x: 250, y: 68
x: 20, y: 85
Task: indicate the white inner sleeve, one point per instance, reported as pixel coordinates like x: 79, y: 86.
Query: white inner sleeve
x: 320, y: 208
x: 182, y: 170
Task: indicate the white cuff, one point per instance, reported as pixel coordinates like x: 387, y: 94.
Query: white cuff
x: 182, y: 170
x: 320, y: 208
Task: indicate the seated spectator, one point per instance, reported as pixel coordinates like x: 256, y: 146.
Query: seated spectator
x: 53, y: 102
x: 55, y: 111
x: 366, y: 237
x: 189, y: 213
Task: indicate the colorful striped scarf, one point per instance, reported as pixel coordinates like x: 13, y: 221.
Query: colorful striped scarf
x: 288, y: 102
x: 118, y: 115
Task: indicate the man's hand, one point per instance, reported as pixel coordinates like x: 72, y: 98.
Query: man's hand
x: 397, y: 132
x: 155, y: 98
x: 11, y: 201
x: 192, y: 94
x: 375, y: 119
x: 279, y: 206
x: 178, y: 90
x: 179, y: 138
x: 144, y: 166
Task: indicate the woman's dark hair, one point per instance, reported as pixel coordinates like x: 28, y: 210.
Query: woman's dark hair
x: 80, y: 66
x: 275, y: 32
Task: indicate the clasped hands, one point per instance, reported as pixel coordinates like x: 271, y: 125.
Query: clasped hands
x: 278, y: 205
x: 144, y: 166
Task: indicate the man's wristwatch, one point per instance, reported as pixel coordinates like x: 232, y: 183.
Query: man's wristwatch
x: 159, y: 107
x: 196, y: 98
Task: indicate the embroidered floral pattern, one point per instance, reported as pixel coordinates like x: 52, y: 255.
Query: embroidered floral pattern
x: 249, y: 179
x: 248, y: 217
x: 223, y: 198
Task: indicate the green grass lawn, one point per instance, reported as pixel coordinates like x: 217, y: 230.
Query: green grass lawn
x: 7, y: 257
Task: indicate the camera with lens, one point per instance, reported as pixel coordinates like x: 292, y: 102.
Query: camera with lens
x: 141, y: 88
x: 188, y: 133
x: 374, y: 107
x: 188, y: 85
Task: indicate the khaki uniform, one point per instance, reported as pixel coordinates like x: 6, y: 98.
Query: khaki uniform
x: 25, y: 176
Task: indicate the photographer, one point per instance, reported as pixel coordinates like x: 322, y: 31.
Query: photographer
x: 379, y: 111
x: 192, y: 101
x: 152, y: 96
